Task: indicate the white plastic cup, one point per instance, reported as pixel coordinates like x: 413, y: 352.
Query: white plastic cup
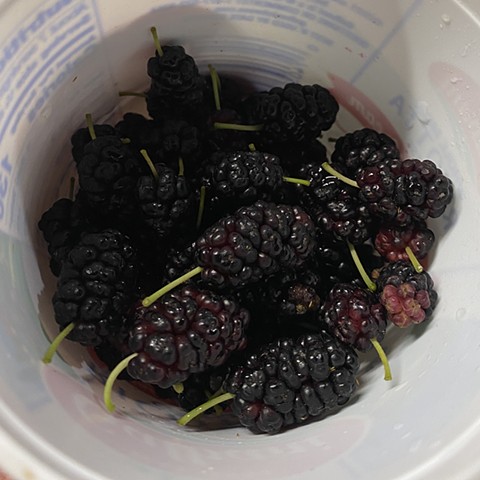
x: 408, y: 68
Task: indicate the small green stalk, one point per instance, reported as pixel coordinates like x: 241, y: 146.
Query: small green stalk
x: 365, y: 277
x: 298, y: 181
x: 383, y: 358
x: 218, y: 409
x: 107, y: 390
x: 414, y: 260
x: 91, y: 129
x: 252, y: 148
x: 156, y: 41
x: 149, y: 163
x: 52, y: 349
x: 178, y: 388
x: 127, y: 93
x: 215, y: 86
x: 237, y: 126
x: 201, y: 206
x: 328, y: 168
x: 181, y: 167
x: 147, y: 301
x: 204, y: 406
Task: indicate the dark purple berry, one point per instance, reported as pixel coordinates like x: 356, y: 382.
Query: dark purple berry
x: 354, y: 315
x: 295, y: 113
x: 166, y: 202
x: 107, y: 174
x: 82, y: 137
x: 176, y: 86
x: 96, y: 286
x: 186, y: 331
x: 334, y: 206
x: 62, y: 225
x: 405, y: 191
x: 362, y: 148
x: 255, y: 242
x: 290, y: 381
x: 391, y: 241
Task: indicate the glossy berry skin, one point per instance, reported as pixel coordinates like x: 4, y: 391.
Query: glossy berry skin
x: 82, y: 137
x: 96, y: 286
x: 334, y: 206
x: 176, y: 86
x: 107, y: 174
x: 62, y: 225
x: 391, y: 241
x: 253, y: 243
x: 354, y: 315
x: 248, y: 176
x: 408, y: 297
x: 362, y: 148
x: 405, y: 191
x: 290, y: 381
x: 186, y: 331
x: 166, y: 202
x: 233, y: 179
x: 295, y: 113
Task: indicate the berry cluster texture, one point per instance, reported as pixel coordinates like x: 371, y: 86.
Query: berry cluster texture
x: 95, y: 286
x: 254, y: 243
x: 227, y: 243
x: 291, y: 380
x: 185, y: 332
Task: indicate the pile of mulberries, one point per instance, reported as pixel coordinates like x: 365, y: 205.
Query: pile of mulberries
x: 222, y: 251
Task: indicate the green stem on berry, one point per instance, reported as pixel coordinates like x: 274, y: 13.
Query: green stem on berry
x: 91, y: 129
x: 215, y: 86
x: 251, y: 147
x: 201, y: 205
x: 147, y: 301
x: 328, y: 168
x: 71, y: 191
x: 127, y: 93
x: 149, y: 163
x: 217, y: 79
x: 218, y: 409
x: 204, y: 406
x: 156, y: 41
x: 383, y: 358
x: 237, y: 126
x: 181, y: 167
x: 414, y: 260
x: 125, y: 140
x: 47, y: 358
x: 298, y: 181
x: 368, y: 281
x: 178, y: 388
x: 107, y: 389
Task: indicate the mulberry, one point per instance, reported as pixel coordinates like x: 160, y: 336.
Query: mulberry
x: 185, y: 332
x: 289, y: 381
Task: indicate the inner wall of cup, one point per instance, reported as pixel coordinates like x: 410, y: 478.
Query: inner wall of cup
x: 363, y: 54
